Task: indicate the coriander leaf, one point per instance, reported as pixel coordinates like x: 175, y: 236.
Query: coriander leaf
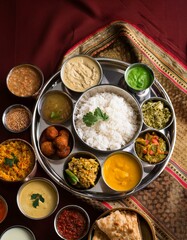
x: 100, y: 114
x: 91, y: 118
x: 56, y: 115
x: 36, y: 197
x: 11, y: 161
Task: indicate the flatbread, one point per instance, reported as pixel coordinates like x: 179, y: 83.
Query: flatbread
x: 99, y: 235
x: 120, y: 225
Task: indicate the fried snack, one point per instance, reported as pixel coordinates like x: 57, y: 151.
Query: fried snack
x: 51, y: 133
x: 63, y: 152
x: 47, y: 148
x: 120, y: 225
x: 60, y: 142
x: 99, y: 235
x: 63, y: 132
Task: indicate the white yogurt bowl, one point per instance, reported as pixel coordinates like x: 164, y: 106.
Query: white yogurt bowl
x: 21, y: 233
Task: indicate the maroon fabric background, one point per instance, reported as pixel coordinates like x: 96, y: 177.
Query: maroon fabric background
x: 41, y: 31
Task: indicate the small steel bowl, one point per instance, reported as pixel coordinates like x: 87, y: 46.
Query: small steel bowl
x: 14, y: 151
x: 147, y: 150
x: 78, y: 73
x: 25, y: 80
x: 130, y: 172
x: 147, y: 71
x: 82, y: 130
x: 55, y: 107
x: 156, y: 116
x: 52, y: 146
x: 18, y: 232
x: 3, y: 209
x: 17, y: 118
x: 77, y: 185
x: 37, y: 198
x: 64, y: 218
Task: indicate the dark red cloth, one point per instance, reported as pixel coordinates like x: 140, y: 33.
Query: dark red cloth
x: 40, y: 32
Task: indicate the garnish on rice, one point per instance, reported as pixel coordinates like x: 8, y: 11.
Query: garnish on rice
x: 91, y: 118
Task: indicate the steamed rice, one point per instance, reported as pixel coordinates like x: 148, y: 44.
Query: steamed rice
x: 113, y: 133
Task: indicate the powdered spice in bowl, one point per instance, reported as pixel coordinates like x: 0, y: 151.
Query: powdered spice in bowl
x: 72, y: 222
x: 17, y: 118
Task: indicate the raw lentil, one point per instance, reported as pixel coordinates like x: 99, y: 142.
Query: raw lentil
x: 17, y: 119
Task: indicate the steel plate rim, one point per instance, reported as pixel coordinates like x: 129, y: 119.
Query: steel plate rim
x: 100, y: 196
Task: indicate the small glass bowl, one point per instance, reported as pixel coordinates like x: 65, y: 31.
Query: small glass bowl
x: 3, y: 209
x: 72, y: 182
x: 25, y: 80
x: 63, y: 220
x: 80, y: 73
x: 163, y: 108
x: 142, y: 72
x: 37, y: 198
x: 145, y: 152
x: 56, y: 142
x: 17, y: 118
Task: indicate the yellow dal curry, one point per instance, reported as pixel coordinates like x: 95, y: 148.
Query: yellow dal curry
x: 122, y: 172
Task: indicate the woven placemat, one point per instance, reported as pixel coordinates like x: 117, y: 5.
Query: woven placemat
x: 164, y: 200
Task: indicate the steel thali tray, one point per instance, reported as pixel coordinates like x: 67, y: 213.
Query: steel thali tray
x: 113, y: 74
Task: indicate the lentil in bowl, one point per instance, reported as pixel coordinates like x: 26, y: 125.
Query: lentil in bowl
x: 25, y: 80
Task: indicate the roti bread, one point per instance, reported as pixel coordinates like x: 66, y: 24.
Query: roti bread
x: 120, y: 225
x: 99, y: 235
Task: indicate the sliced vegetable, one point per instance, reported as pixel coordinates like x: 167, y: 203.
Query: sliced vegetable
x: 72, y: 177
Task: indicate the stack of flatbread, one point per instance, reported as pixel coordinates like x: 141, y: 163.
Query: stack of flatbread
x: 118, y: 225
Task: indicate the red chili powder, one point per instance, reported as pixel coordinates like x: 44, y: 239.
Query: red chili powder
x: 71, y: 224
x: 3, y: 210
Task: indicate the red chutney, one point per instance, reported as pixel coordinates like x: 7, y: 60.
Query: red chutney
x: 3, y: 210
x: 71, y: 224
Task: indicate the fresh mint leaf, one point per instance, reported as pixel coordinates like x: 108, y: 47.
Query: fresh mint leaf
x: 91, y: 118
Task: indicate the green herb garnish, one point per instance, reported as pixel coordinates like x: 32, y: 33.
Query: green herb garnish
x: 11, y: 161
x: 36, y: 197
x: 56, y: 115
x: 91, y: 118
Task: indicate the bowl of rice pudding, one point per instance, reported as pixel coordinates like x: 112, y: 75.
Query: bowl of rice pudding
x: 107, y: 118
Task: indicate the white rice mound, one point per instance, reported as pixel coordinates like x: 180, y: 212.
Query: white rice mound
x: 113, y: 133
